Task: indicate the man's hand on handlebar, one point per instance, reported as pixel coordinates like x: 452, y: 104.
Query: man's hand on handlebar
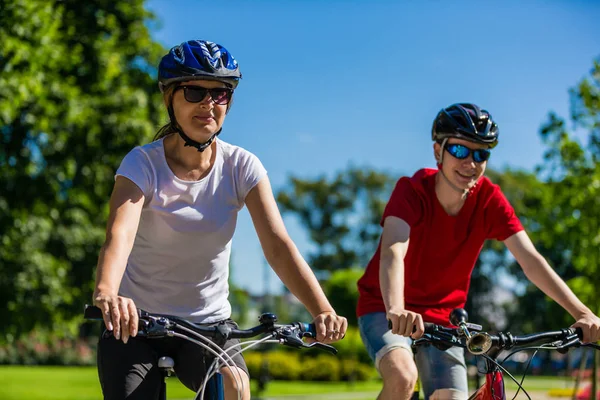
x: 119, y: 314
x: 406, y: 323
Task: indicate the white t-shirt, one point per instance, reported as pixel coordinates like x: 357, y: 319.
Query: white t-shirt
x: 179, y: 264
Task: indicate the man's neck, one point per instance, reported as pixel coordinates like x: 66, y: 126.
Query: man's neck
x: 450, y: 197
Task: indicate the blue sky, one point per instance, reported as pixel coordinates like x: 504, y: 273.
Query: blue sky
x: 328, y: 84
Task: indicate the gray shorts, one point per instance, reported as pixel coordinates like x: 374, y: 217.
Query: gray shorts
x: 437, y: 369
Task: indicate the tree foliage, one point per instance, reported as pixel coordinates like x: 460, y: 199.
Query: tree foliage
x: 76, y: 94
x: 572, y: 169
x: 559, y: 208
x: 341, y: 215
x: 342, y: 292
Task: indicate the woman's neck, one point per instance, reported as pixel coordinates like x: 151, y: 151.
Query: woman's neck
x: 186, y: 162
x: 451, y: 199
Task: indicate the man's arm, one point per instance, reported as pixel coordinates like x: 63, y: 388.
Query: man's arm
x: 539, y: 272
x: 394, y: 245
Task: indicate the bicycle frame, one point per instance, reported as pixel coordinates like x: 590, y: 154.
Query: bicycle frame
x: 492, y: 388
x: 215, y: 389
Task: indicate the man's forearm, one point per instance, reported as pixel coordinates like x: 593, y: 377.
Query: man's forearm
x: 391, y: 281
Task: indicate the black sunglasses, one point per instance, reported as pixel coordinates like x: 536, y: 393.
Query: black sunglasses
x: 195, y: 94
x: 461, y: 152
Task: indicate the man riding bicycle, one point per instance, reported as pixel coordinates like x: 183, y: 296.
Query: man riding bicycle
x: 434, y: 227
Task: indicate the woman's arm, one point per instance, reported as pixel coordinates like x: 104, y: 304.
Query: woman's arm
x: 287, y: 262
x: 119, y: 313
x: 394, y: 245
x: 539, y: 272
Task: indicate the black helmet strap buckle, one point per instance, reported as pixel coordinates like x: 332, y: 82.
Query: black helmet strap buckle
x: 189, y: 142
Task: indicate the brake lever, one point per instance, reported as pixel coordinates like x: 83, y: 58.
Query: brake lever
x: 592, y: 345
x: 293, y: 337
x: 439, y: 339
x: 157, y: 327
x: 321, y: 346
x: 566, y: 345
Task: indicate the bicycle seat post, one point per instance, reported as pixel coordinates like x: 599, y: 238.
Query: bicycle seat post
x: 166, y: 366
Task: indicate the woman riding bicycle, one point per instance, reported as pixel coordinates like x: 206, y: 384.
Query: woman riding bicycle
x: 173, y: 213
x: 434, y: 227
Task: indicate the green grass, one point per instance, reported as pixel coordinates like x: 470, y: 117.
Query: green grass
x: 533, y: 383
x: 81, y: 383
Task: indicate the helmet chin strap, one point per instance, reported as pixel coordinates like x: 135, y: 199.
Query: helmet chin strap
x: 189, y: 141
x: 463, y: 192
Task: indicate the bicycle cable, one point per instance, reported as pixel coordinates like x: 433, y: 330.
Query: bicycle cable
x: 221, y: 355
x: 214, y: 367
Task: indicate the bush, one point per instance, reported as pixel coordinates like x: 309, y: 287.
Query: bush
x: 321, y: 368
x: 352, y: 347
x: 294, y: 365
x: 281, y: 365
x: 352, y: 370
x: 41, y: 348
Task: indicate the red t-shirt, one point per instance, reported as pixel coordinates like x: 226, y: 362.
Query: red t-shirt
x: 443, y: 249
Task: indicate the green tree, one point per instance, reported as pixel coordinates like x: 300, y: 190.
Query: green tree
x: 342, y: 292
x: 77, y: 92
x: 572, y: 169
x: 559, y: 209
x: 530, y: 198
x: 341, y: 215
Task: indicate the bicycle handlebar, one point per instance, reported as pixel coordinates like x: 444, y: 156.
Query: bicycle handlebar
x: 158, y: 326
x: 484, y: 342
x: 469, y: 336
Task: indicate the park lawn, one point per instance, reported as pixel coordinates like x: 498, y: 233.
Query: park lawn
x: 539, y: 383
x: 81, y: 383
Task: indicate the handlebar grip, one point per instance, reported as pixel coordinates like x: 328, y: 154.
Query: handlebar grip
x: 308, y: 329
x: 92, y: 312
x: 429, y: 327
x: 579, y: 332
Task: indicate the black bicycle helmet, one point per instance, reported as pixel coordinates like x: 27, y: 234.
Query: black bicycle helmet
x: 465, y: 121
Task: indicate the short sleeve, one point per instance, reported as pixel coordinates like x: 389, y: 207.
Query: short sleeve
x: 501, y: 219
x: 250, y: 172
x: 404, y: 203
x: 137, y: 168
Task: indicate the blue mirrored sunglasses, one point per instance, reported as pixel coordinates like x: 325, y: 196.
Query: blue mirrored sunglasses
x: 461, y: 152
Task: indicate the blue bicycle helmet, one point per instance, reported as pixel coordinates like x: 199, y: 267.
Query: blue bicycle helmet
x: 465, y: 121
x: 195, y: 60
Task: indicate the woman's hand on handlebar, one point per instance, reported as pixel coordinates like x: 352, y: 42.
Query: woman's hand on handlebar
x: 590, y: 325
x: 406, y: 323
x: 120, y: 315
x: 330, y: 327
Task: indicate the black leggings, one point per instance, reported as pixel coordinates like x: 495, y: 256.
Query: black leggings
x: 130, y: 371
